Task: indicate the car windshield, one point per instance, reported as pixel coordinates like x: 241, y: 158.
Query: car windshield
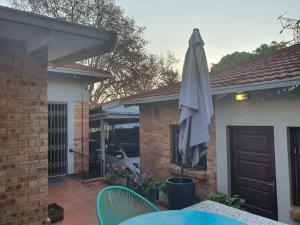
x: 131, y: 151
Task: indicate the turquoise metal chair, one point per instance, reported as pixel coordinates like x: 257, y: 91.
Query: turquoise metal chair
x: 116, y: 204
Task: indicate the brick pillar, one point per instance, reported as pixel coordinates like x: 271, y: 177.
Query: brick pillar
x: 23, y: 135
x: 211, y: 159
x: 81, y: 136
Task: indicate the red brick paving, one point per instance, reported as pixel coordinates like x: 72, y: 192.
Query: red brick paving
x: 78, y: 201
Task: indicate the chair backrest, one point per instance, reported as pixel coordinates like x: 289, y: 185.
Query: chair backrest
x: 116, y: 204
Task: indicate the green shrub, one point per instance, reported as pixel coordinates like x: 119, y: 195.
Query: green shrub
x: 234, y: 201
x: 148, y: 183
x: 114, y: 174
x: 163, y: 187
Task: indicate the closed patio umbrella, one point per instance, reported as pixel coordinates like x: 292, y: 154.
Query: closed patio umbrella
x: 195, y: 103
x: 196, y: 110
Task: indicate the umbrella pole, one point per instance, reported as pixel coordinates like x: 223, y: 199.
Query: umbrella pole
x: 188, y: 145
x: 181, y: 171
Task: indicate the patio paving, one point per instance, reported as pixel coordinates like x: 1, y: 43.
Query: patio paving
x: 77, y: 199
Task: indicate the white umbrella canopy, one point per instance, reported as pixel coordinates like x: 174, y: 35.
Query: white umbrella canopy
x: 195, y: 103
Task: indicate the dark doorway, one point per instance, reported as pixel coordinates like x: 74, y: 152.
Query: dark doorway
x: 253, y: 168
x: 57, y: 139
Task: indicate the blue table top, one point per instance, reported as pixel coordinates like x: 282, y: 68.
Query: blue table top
x: 181, y: 217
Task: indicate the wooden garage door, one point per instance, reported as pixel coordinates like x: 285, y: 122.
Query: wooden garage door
x: 253, y: 169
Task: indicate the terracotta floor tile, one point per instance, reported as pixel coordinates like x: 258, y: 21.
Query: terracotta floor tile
x: 78, y: 201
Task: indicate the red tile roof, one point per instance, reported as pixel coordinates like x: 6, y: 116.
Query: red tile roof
x: 281, y: 65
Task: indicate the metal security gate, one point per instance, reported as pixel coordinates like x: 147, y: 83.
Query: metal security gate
x: 57, y: 139
x: 295, y: 163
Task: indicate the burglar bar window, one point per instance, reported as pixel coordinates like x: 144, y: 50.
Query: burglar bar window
x: 295, y: 163
x: 176, y: 158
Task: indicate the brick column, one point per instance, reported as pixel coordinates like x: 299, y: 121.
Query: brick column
x: 81, y: 136
x: 211, y: 159
x: 23, y: 135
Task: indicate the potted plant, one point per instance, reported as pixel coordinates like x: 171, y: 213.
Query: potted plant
x: 148, y: 187
x: 116, y: 176
x: 133, y: 181
x: 181, y: 192
x: 162, y: 194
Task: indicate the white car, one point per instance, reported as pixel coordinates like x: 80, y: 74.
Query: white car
x: 125, y: 155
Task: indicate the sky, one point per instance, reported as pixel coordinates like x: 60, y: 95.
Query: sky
x: 226, y: 26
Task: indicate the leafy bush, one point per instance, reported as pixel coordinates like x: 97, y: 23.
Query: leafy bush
x: 163, y: 187
x: 113, y: 175
x: 234, y: 201
x: 148, y: 183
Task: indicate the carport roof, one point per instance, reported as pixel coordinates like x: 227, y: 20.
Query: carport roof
x: 114, y: 113
x: 278, y: 69
x: 67, y: 42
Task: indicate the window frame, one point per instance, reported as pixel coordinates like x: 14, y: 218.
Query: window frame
x: 175, y: 157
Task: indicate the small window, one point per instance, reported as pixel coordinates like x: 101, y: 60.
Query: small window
x: 176, y: 158
x: 295, y: 163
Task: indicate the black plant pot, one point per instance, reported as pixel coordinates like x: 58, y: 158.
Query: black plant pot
x: 55, y: 212
x: 181, y: 192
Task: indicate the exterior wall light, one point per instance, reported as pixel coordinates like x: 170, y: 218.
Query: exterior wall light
x: 242, y: 96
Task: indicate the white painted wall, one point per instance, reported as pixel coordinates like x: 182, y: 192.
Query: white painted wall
x: 62, y: 89
x: 264, y: 108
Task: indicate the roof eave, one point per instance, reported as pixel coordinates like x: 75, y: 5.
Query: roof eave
x: 93, y: 76
x: 41, y: 21
x: 93, y: 41
x: 155, y: 99
x: 86, y: 53
x: 219, y: 91
x: 257, y: 86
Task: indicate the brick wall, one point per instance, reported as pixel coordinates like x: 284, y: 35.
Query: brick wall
x: 155, y: 146
x: 81, y: 135
x: 23, y: 135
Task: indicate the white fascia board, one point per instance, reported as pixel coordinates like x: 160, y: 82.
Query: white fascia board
x: 222, y: 90
x: 155, y: 99
x: 110, y: 105
x: 257, y: 86
x: 71, y: 71
x: 113, y: 116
